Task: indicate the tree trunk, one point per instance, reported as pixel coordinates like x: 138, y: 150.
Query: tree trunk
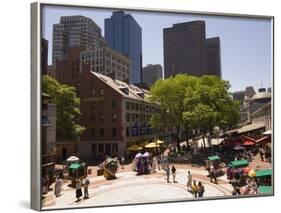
x: 204, y: 143
x: 178, y: 138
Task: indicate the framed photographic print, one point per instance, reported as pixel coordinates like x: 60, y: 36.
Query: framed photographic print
x: 138, y: 106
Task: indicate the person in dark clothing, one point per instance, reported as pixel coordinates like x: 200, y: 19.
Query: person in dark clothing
x: 201, y: 189
x: 174, y: 173
x: 168, y: 173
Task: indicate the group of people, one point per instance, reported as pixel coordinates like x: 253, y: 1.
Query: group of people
x: 78, y: 187
x: 173, y: 170
x: 251, y: 186
x: 196, y: 189
x: 265, y: 153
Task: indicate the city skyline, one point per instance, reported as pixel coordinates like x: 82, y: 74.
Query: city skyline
x: 246, y: 54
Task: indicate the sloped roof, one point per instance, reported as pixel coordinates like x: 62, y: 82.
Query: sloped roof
x: 117, y: 85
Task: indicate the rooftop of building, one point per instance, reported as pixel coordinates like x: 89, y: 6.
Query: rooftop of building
x: 262, y: 96
x: 133, y: 92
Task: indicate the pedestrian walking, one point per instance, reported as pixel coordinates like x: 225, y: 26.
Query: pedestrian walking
x: 78, y: 190
x: 122, y: 161
x: 159, y: 162
x: 47, y: 183
x: 86, y: 186
x: 201, y: 189
x: 174, y: 173
x: 261, y: 153
x: 168, y: 173
x: 58, y: 187
x: 212, y: 174
x: 154, y: 164
x: 189, y: 181
x: 236, y: 191
x: 194, y: 188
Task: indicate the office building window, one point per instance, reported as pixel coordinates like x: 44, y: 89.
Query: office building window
x: 102, y: 117
x: 113, y: 103
x: 101, y: 91
x: 128, y: 132
x: 101, y: 133
x: 93, y: 132
x: 127, y: 105
x: 101, y: 148
x: 128, y: 117
x: 113, y: 132
x: 114, y: 117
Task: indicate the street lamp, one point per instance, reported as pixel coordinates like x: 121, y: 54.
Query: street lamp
x: 217, y: 130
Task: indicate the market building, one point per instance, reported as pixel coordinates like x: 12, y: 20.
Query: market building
x: 116, y: 115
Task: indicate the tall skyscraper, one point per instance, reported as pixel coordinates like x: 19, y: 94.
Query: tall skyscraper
x: 44, y: 58
x: 72, y: 32
x: 213, y: 56
x: 184, y: 49
x: 151, y: 73
x: 124, y: 34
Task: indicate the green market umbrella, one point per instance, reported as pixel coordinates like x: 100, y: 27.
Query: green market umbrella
x: 74, y: 166
x: 214, y: 157
x: 265, y: 189
x: 264, y: 173
x: 238, y: 163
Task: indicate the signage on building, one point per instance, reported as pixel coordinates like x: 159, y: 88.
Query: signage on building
x: 94, y: 99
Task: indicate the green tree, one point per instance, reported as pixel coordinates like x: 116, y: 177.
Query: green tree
x: 213, y: 106
x: 68, y: 104
x: 174, y: 96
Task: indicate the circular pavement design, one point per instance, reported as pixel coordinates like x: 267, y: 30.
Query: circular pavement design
x: 129, y: 189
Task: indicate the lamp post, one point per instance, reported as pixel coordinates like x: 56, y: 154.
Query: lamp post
x: 217, y: 130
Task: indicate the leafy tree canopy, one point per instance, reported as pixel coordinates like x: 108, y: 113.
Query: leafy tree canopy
x: 68, y: 103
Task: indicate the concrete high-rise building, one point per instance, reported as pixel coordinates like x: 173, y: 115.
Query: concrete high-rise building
x: 72, y: 32
x: 124, y: 34
x: 213, y: 56
x: 108, y: 62
x: 151, y: 73
x: 185, y: 49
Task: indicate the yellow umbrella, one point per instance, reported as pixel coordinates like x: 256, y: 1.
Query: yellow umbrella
x: 134, y: 148
x: 159, y: 142
x: 144, y: 143
x: 151, y: 145
x: 252, y: 173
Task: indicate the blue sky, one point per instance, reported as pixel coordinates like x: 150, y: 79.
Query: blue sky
x: 246, y: 53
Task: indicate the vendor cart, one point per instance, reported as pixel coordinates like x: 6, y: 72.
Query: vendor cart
x: 77, y: 171
x: 215, y: 160
x: 110, y: 168
x: 264, y: 177
x: 236, y: 171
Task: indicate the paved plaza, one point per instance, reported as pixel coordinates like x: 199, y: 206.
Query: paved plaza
x: 129, y: 188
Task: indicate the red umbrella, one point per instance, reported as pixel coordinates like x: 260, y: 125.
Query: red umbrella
x: 246, y: 170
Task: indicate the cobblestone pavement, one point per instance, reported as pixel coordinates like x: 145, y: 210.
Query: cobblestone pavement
x: 129, y: 188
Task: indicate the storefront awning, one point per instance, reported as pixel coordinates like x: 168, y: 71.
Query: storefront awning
x: 263, y: 139
x: 250, y: 127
